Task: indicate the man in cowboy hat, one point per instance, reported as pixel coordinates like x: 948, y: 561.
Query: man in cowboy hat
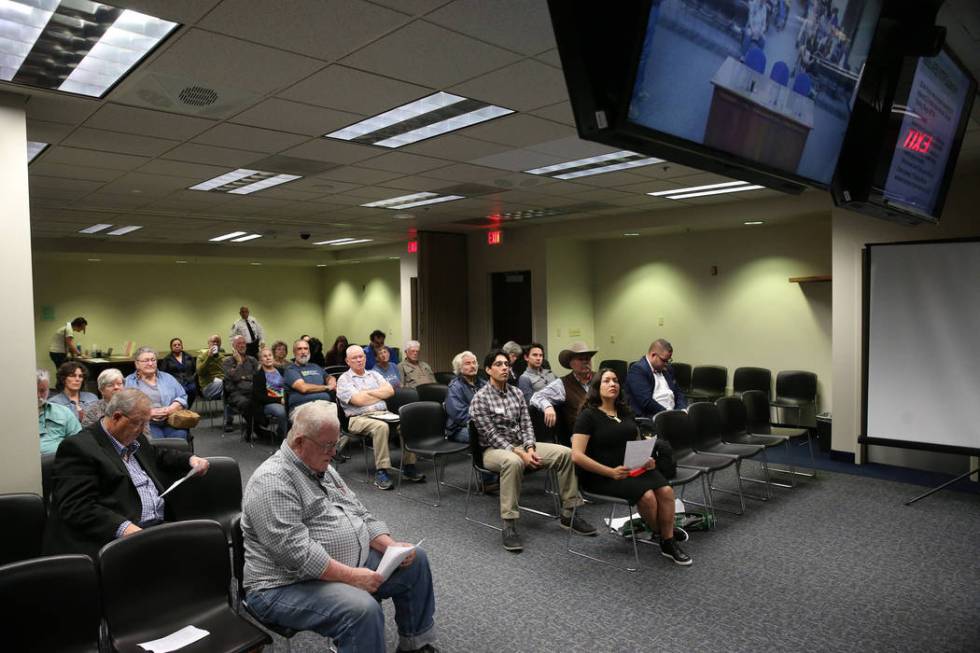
x: 568, y: 392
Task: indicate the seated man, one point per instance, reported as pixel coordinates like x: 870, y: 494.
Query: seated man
x: 311, y: 548
x: 567, y: 394
x: 536, y: 376
x: 651, y: 383
x: 414, y: 372
x: 54, y: 422
x: 306, y: 381
x: 238, y: 369
x: 460, y: 394
x: 362, y: 393
x: 210, y: 376
x: 500, y: 414
x: 107, y: 480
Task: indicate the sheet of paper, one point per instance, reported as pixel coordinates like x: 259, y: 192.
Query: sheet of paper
x: 180, y: 639
x: 97, y: 360
x: 638, y: 452
x: 386, y: 417
x: 394, y: 555
x: 178, y: 482
x: 618, y: 523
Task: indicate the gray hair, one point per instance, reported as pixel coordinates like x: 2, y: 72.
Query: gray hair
x: 458, y: 360
x: 42, y: 375
x: 413, y: 343
x: 662, y: 344
x: 108, y: 377
x: 237, y: 337
x: 310, y: 417
x: 126, y: 401
x: 144, y: 350
x: 511, y: 347
x: 353, y: 349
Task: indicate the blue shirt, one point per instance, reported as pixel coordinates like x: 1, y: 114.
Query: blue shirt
x: 310, y: 373
x: 458, y: 398
x: 85, y: 399
x: 169, y: 388
x: 55, y: 423
x: 149, y: 496
x: 390, y: 375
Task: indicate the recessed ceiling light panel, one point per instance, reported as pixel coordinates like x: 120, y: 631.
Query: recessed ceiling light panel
x: 94, y: 229
x: 33, y: 149
x: 122, y: 231
x: 595, y: 165
x: 409, y: 201
x: 244, y: 181
x: 694, y: 189
x: 228, y: 236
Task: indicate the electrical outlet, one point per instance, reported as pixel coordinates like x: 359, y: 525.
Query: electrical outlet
x: 660, y: 321
x: 612, y: 340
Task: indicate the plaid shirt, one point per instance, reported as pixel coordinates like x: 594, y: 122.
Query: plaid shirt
x: 295, y: 522
x: 501, y: 417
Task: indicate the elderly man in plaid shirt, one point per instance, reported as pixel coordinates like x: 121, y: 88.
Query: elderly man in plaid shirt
x: 311, y: 548
x: 500, y: 414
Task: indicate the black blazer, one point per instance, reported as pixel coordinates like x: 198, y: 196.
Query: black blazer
x: 93, y: 494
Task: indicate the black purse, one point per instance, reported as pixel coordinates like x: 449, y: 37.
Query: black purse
x: 664, y: 455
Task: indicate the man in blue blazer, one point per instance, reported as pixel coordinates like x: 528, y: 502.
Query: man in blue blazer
x: 651, y: 383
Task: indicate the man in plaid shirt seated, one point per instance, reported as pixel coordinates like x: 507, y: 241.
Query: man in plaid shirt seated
x: 500, y: 414
x: 311, y: 548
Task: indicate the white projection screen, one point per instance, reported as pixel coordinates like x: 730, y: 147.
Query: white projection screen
x: 922, y: 338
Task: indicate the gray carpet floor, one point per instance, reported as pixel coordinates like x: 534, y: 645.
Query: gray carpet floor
x: 835, y: 564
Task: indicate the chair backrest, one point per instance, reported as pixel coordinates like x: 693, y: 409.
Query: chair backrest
x: 802, y: 84
x: 177, y: 444
x: 682, y: 374
x: 22, y: 516
x: 707, y: 423
x: 47, y: 470
x: 796, y: 384
x: 433, y: 392
x: 421, y: 420
x: 335, y: 370
x: 444, y: 377
x: 217, y: 495
x: 676, y: 427
x: 476, y: 450
x: 543, y: 432
x: 756, y: 59
x: 711, y: 378
x: 51, y: 604
x: 401, y: 397
x: 732, y: 411
x: 238, y: 555
x: 780, y: 73
x: 752, y: 378
x: 756, y: 411
x: 171, y: 573
x: 617, y: 366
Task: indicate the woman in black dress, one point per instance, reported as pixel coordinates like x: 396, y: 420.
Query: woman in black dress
x: 599, y: 440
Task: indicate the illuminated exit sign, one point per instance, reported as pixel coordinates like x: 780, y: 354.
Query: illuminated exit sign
x: 413, y: 246
x: 495, y: 237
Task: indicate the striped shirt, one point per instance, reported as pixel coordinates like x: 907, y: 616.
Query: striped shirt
x: 149, y: 496
x: 295, y: 521
x: 501, y: 417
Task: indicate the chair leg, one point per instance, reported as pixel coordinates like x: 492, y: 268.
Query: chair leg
x: 636, y: 554
x: 474, y: 479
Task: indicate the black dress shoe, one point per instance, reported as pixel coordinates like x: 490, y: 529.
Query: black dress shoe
x: 512, y: 541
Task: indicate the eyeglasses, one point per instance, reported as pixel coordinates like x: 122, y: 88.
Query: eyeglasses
x: 325, y: 447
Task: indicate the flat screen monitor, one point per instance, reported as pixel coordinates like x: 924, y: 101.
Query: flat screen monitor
x: 768, y: 84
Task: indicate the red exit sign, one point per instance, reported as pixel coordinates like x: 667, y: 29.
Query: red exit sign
x: 495, y: 237
x: 917, y: 141
x: 413, y: 246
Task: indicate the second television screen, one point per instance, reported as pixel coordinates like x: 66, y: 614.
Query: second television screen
x: 768, y: 81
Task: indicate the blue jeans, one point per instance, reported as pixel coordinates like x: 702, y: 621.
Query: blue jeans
x: 164, y: 430
x: 351, y: 617
x: 279, y: 412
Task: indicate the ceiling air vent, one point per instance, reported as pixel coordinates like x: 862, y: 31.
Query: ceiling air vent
x: 198, y: 96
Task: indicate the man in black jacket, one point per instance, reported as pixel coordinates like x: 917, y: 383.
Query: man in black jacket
x: 108, y: 478
x: 651, y: 384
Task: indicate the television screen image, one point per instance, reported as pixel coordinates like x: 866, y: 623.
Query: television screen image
x: 771, y: 82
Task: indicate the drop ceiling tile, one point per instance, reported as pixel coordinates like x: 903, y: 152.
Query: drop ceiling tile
x: 116, y: 202
x: 354, y: 91
x: 146, y: 185
x: 324, y: 29
x: 667, y: 170
x: 295, y: 117
x: 454, y: 148
x: 49, y: 106
x: 415, y: 184
x: 145, y: 122
x: 332, y: 151
x: 519, y: 130
x: 358, y: 175
x: 195, y: 171
x: 524, y: 27
x: 41, y: 131
x: 611, y: 179
x: 108, y: 141
x: 220, y: 156
x: 45, y: 168
x: 518, y: 160
x: 180, y: 11
x: 550, y: 57
x: 412, y: 7
x: 40, y: 183
x: 464, y: 173
x: 435, y: 59
x: 403, y: 162
x: 522, y: 86
x: 260, y: 140
x: 561, y: 112
x: 571, y: 148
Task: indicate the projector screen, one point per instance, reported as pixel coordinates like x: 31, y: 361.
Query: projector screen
x: 922, y: 337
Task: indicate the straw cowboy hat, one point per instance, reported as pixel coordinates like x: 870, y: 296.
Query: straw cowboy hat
x: 576, y: 348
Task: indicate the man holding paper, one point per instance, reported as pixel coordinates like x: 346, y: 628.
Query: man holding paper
x: 108, y: 480
x: 314, y: 554
x: 603, y: 442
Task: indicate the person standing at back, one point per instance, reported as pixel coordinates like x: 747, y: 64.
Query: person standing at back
x: 63, y: 343
x: 250, y: 329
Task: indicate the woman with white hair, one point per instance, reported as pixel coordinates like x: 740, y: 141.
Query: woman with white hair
x: 460, y: 394
x: 166, y: 394
x: 110, y: 381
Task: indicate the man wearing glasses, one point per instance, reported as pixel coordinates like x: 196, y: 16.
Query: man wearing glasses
x: 651, y: 383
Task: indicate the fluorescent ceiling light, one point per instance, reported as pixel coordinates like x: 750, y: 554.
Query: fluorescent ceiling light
x: 721, y: 191
x: 424, y: 118
x: 632, y: 234
x: 245, y: 239
x: 180, y: 261
x: 321, y: 265
x: 76, y: 46
x: 411, y: 201
x: 610, y: 168
x: 244, y: 181
x: 95, y: 228
x: 751, y: 222
x: 595, y: 165
x: 122, y: 231
x: 255, y: 263
x: 233, y: 234
x: 33, y: 149
x: 94, y: 260
x: 334, y: 242
x: 691, y: 189
x: 352, y: 242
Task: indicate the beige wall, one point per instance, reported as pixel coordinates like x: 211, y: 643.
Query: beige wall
x: 571, y: 268
x: 851, y: 231
x: 357, y: 299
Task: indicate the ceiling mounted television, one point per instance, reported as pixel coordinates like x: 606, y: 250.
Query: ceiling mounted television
x: 759, y: 90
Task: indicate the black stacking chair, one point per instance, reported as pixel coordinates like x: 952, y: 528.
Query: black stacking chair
x: 592, y: 497
x: 433, y: 392
x: 544, y: 433
x: 423, y: 427
x: 401, y: 397
x: 177, y: 444
x: 757, y: 423
x: 364, y: 440
x: 335, y: 370
x: 707, y: 383
x: 47, y: 484
x: 709, y: 431
x: 796, y: 399
x: 50, y: 604
x: 161, y: 579
x: 735, y: 428
x: 752, y: 378
x: 217, y: 495
x: 476, y: 454
x: 677, y: 427
x: 444, y: 377
x: 617, y: 366
x: 682, y: 374
x: 683, y: 475
x: 22, y: 516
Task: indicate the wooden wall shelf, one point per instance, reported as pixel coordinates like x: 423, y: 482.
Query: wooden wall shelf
x: 814, y: 279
